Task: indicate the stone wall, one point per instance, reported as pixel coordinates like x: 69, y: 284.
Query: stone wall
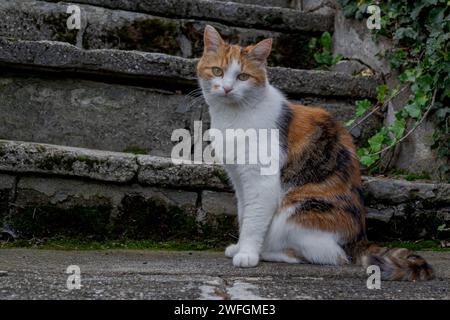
x: 48, y: 191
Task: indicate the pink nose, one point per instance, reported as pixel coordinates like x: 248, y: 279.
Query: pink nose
x: 227, y: 89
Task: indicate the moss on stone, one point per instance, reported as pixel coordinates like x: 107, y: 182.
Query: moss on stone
x: 61, y: 161
x: 42, y: 221
x: 65, y: 243
x: 409, y: 176
x: 154, y: 219
x: 221, y: 174
x: 135, y: 150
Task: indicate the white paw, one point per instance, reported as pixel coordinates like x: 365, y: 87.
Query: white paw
x: 231, y: 250
x: 245, y: 260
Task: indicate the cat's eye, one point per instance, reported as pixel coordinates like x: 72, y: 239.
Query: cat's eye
x: 217, y: 71
x: 243, y: 76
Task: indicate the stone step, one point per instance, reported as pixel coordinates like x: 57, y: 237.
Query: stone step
x: 116, y: 100
x: 95, y: 191
x: 60, y: 57
x: 317, y: 6
x: 231, y: 13
x: 117, y: 29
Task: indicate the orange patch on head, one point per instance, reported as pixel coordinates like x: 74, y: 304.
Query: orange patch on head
x: 217, y: 53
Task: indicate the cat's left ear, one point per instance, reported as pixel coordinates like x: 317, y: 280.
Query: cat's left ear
x: 261, y: 51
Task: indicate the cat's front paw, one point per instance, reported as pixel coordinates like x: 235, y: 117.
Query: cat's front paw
x: 245, y: 260
x: 231, y: 250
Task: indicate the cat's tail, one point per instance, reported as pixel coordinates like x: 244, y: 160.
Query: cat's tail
x: 396, y: 264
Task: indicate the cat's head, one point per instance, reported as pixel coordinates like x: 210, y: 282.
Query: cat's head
x: 231, y: 74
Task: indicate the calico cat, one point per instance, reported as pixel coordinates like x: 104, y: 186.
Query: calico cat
x: 312, y: 210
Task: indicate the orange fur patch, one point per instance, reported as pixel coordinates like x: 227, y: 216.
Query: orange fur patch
x: 224, y: 57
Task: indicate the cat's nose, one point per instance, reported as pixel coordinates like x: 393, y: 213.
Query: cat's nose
x: 227, y: 89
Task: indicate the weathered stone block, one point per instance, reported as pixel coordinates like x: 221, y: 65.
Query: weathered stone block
x: 401, y: 191
x: 162, y: 172
x: 399, y: 209
x: 58, y: 160
x: 406, y: 221
x: 353, y: 40
x: 96, y: 115
x: 219, y: 203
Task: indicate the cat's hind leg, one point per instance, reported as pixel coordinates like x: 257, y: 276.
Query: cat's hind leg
x: 301, y: 243
x: 319, y: 247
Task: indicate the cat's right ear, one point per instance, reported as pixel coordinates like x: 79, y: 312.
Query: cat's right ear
x: 212, y: 40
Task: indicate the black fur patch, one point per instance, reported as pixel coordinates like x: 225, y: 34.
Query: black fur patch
x: 323, y: 157
x: 313, y: 205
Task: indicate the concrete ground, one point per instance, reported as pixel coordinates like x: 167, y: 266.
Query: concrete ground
x: 133, y: 274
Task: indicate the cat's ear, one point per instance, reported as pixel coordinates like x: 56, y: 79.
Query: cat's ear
x: 260, y: 52
x: 212, y: 40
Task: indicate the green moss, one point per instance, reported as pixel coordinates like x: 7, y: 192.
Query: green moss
x: 409, y: 176
x: 221, y: 174
x: 135, y: 150
x: 77, y: 244
x: 151, y: 35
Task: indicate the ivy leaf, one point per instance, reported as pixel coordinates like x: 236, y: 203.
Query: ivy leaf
x: 361, y: 107
x: 397, y: 128
x: 413, y: 110
x: 368, y: 160
x: 424, y: 82
x: 403, y: 33
x: 420, y: 98
x: 441, y: 113
x: 376, y: 142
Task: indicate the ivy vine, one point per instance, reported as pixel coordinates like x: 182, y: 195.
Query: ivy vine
x: 420, y: 30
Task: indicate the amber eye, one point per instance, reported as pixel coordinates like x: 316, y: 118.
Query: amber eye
x: 217, y: 71
x: 243, y: 76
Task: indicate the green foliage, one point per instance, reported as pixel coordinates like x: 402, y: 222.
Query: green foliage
x: 324, y: 55
x: 421, y: 33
